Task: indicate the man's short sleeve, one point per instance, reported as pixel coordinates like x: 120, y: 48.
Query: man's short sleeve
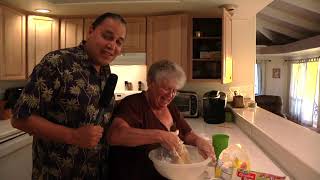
x: 41, y: 87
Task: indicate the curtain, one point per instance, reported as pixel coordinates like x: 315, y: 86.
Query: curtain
x: 304, y: 92
x: 258, y: 79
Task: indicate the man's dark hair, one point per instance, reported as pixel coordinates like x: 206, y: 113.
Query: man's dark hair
x: 104, y: 16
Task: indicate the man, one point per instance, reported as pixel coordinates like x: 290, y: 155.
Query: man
x: 59, y: 105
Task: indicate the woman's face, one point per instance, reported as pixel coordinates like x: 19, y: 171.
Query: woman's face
x: 162, y: 94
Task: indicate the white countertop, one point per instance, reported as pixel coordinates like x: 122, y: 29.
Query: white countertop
x: 258, y: 159
x: 297, y: 141
x: 6, y: 130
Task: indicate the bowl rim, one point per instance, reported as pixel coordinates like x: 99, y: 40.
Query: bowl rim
x: 159, y: 162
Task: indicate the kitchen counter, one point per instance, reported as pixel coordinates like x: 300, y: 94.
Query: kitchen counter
x: 258, y: 159
x: 293, y: 147
x: 6, y: 130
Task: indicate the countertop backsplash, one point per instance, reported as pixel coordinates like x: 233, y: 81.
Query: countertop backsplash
x: 130, y: 73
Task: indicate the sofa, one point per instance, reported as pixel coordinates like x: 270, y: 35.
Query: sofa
x: 270, y: 103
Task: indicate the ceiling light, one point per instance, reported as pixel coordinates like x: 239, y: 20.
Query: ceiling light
x: 43, y: 10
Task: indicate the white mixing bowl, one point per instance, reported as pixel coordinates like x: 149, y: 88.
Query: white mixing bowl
x: 179, y: 171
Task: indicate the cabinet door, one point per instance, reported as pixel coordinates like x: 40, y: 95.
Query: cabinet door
x: 71, y: 32
x: 87, y: 24
x: 227, y: 48
x: 167, y: 39
x: 136, y: 34
x: 43, y: 37
x: 12, y: 44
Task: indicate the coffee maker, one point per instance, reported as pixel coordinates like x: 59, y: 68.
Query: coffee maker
x: 214, y: 103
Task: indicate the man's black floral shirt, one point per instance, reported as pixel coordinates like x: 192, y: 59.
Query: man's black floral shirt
x: 65, y: 88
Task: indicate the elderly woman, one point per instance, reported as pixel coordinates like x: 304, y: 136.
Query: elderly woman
x: 146, y: 121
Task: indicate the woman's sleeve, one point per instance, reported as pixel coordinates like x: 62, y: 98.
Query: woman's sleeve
x: 129, y: 110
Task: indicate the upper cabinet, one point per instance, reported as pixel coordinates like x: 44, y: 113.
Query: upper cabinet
x: 43, y: 37
x: 12, y: 44
x: 71, y: 32
x: 227, y: 48
x: 211, y: 49
x: 136, y: 34
x: 167, y: 38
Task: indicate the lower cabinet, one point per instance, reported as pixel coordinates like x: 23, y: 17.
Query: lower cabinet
x: 16, y: 158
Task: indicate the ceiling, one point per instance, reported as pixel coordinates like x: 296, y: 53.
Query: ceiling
x: 246, y: 8
x: 278, y: 21
x: 287, y: 21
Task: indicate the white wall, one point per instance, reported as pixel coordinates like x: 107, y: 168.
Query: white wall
x: 276, y: 86
x: 244, y: 56
x: 130, y: 73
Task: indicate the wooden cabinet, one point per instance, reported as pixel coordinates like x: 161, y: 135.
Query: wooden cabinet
x: 211, y: 49
x: 43, y: 37
x: 167, y: 38
x: 12, y: 44
x: 136, y: 34
x: 71, y: 32
x: 86, y: 27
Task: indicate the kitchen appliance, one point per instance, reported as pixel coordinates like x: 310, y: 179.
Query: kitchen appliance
x: 130, y: 59
x: 214, y: 103
x: 187, y: 103
x: 11, y: 96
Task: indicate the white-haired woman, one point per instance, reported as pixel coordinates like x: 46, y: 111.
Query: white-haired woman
x: 145, y: 121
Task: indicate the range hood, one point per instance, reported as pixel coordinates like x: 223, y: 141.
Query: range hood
x: 130, y: 59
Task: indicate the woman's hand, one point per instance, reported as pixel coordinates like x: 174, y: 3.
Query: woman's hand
x: 169, y: 140
x: 205, y: 149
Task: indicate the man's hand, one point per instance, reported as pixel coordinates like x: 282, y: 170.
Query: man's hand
x: 87, y: 136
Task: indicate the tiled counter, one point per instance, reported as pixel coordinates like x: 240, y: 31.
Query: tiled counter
x: 259, y: 161
x: 295, y: 148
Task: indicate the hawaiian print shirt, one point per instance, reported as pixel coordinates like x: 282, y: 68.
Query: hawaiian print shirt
x: 65, y: 89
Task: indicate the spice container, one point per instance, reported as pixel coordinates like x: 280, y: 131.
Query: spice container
x: 140, y: 86
x: 130, y: 87
x: 126, y: 85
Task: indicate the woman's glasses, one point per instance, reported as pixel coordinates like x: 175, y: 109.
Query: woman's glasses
x: 168, y: 91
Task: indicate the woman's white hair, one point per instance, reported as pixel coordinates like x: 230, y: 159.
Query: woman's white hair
x: 166, y: 70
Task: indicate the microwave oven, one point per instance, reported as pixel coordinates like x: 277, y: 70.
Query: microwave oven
x: 188, y: 103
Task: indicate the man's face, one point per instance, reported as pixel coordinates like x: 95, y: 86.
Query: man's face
x: 104, y: 43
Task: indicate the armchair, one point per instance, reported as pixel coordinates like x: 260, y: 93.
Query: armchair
x: 270, y: 103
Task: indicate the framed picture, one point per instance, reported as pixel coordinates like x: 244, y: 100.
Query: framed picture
x: 276, y: 73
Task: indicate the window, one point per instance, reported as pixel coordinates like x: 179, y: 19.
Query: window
x: 304, y: 92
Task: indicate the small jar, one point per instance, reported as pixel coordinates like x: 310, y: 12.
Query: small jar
x: 130, y: 86
x: 126, y: 85
x: 140, y: 86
